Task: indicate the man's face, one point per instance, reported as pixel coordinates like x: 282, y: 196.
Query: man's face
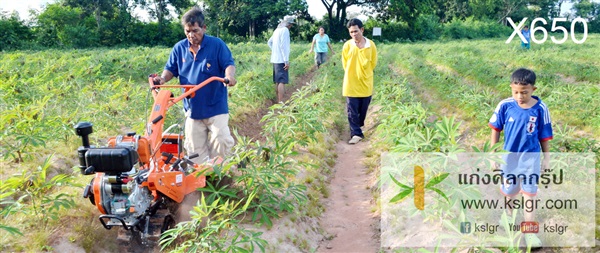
x: 356, y: 33
x: 194, y: 33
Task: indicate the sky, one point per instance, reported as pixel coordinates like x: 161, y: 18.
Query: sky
x: 21, y: 6
x: 315, y: 7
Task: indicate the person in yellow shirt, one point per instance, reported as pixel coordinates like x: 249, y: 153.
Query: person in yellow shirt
x: 359, y: 58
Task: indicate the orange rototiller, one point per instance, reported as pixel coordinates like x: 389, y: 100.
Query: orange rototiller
x: 138, y: 179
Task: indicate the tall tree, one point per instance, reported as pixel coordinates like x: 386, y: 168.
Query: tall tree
x: 498, y: 10
x: 508, y: 8
x: 97, y: 8
x: 113, y: 18
x: 59, y: 25
x: 407, y: 11
x: 452, y: 9
x: 587, y: 9
x: 14, y: 31
x: 548, y: 9
x: 159, y: 8
x: 337, y: 13
x: 250, y: 17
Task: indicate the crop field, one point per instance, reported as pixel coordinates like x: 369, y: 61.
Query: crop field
x: 429, y: 97
x: 438, y: 97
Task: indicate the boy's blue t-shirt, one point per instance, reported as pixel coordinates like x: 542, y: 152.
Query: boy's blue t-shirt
x: 321, y: 43
x: 526, y: 34
x: 211, y: 60
x: 523, y: 128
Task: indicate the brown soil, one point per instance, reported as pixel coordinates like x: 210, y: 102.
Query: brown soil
x: 348, y: 220
x: 568, y: 79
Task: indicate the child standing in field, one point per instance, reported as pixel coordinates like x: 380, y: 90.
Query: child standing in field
x: 527, y: 34
x: 527, y: 129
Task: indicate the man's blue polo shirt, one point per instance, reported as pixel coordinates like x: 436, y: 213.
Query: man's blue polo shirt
x: 211, y: 60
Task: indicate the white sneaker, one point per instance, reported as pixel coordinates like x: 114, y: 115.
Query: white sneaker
x: 355, y: 139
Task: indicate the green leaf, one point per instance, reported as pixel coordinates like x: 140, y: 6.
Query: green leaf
x: 249, y: 200
x: 402, y: 195
x: 11, y: 230
x: 436, y: 180
x: 398, y: 183
x: 440, y: 193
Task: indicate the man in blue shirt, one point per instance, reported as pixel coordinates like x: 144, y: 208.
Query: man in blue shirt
x: 193, y: 60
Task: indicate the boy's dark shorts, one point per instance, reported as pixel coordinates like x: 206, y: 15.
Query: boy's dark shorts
x: 280, y: 75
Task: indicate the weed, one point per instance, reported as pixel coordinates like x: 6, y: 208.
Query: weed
x: 34, y: 193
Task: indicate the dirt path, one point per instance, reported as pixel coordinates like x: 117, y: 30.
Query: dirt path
x: 348, y: 220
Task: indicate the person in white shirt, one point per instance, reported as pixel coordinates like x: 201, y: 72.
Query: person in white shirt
x: 280, y: 55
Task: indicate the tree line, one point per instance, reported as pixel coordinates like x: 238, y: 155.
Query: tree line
x: 109, y: 23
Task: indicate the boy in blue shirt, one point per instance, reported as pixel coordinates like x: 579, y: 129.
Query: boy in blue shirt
x: 527, y: 129
x: 527, y: 34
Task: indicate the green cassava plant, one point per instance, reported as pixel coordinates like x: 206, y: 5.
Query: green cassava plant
x: 37, y: 192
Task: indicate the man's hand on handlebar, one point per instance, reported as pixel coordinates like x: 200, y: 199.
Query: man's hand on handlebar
x: 159, y: 80
x: 231, y: 82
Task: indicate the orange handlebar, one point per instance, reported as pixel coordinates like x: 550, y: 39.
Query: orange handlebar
x: 193, y: 87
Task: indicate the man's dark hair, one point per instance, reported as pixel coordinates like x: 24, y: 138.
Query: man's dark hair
x: 354, y: 22
x: 523, y: 76
x: 193, y: 16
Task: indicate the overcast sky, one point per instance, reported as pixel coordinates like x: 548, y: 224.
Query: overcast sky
x: 315, y: 7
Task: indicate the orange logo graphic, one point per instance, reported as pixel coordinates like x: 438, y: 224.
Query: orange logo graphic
x: 419, y: 187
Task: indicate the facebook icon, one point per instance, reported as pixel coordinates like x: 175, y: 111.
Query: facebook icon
x: 465, y: 227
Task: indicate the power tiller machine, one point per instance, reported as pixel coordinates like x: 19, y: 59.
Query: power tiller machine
x: 139, y: 180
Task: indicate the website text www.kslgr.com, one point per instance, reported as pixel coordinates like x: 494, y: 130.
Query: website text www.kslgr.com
x: 519, y: 203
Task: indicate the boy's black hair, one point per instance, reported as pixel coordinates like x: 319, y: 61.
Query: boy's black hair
x: 193, y: 16
x: 523, y: 76
x: 354, y: 22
